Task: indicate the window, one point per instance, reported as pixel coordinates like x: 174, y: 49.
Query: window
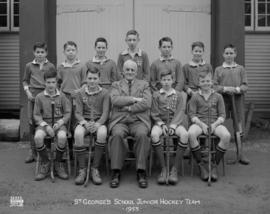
x: 9, y: 15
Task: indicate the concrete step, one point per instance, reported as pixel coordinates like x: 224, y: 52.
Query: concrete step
x: 9, y: 129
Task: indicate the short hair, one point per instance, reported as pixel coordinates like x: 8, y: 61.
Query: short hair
x: 132, y: 32
x: 197, y: 44
x: 71, y: 43
x: 93, y: 70
x: 203, y: 74
x: 167, y: 71
x: 165, y: 39
x: 101, y: 39
x: 42, y: 45
x: 51, y: 73
x: 132, y: 61
x: 230, y: 46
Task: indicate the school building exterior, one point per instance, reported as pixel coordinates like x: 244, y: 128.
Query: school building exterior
x: 245, y: 23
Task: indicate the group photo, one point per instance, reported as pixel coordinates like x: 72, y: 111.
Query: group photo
x: 134, y: 106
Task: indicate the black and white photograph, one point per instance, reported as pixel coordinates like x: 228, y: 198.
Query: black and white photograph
x: 134, y: 106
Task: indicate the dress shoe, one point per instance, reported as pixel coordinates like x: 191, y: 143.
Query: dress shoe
x: 243, y: 160
x: 141, y: 178
x: 115, y: 181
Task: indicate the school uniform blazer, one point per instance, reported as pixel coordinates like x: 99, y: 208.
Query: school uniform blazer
x: 120, y: 98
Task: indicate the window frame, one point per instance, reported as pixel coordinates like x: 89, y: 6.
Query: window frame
x: 10, y: 18
x: 255, y: 17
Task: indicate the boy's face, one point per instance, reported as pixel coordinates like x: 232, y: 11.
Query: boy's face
x: 166, y: 82
x: 197, y: 53
x: 51, y: 84
x: 40, y: 54
x: 70, y: 52
x: 166, y: 49
x: 205, y: 83
x: 92, y: 80
x: 129, y: 70
x: 132, y: 41
x: 229, y: 55
x: 101, y: 49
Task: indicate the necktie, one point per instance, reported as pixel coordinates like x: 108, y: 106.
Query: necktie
x: 129, y: 87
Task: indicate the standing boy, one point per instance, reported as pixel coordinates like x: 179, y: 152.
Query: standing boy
x: 107, y: 67
x: 194, y: 68
x: 71, y: 72
x: 207, y: 113
x: 92, y: 110
x: 136, y: 54
x: 230, y: 78
x: 43, y: 119
x: 164, y: 100
x: 33, y: 83
x: 166, y: 60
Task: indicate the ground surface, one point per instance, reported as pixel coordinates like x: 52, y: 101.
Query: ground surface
x: 244, y: 189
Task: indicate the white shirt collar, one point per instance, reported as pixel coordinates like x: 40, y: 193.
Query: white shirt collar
x: 35, y: 62
x: 55, y: 95
x: 66, y: 64
x: 162, y: 59
x: 200, y: 91
x: 171, y: 92
x: 99, y: 89
x: 101, y: 61
x: 194, y: 64
x: 226, y: 65
x: 138, y: 52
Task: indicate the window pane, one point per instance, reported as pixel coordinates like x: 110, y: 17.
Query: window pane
x: 16, y: 21
x: 261, y: 0
x: 3, y: 0
x: 268, y: 21
x: 247, y: 21
x: 3, y: 8
x: 268, y: 8
x: 247, y: 8
x: 261, y: 20
x: 16, y: 9
x: 3, y: 21
x: 261, y: 8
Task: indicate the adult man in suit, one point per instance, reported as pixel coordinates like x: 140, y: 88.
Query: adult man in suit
x: 131, y: 102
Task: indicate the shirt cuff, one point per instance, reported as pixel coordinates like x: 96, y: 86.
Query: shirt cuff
x: 173, y: 126
x: 238, y: 89
x: 43, y: 123
x: 195, y: 120
x: 60, y: 122
x: 220, y: 120
x: 160, y: 123
x: 83, y: 122
x: 26, y: 87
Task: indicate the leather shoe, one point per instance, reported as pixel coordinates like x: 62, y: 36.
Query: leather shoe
x: 203, y: 172
x: 115, y: 181
x: 243, y: 160
x: 141, y: 178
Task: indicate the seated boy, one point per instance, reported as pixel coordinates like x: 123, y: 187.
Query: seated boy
x: 43, y: 118
x: 207, y: 113
x: 92, y: 110
x: 164, y: 100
